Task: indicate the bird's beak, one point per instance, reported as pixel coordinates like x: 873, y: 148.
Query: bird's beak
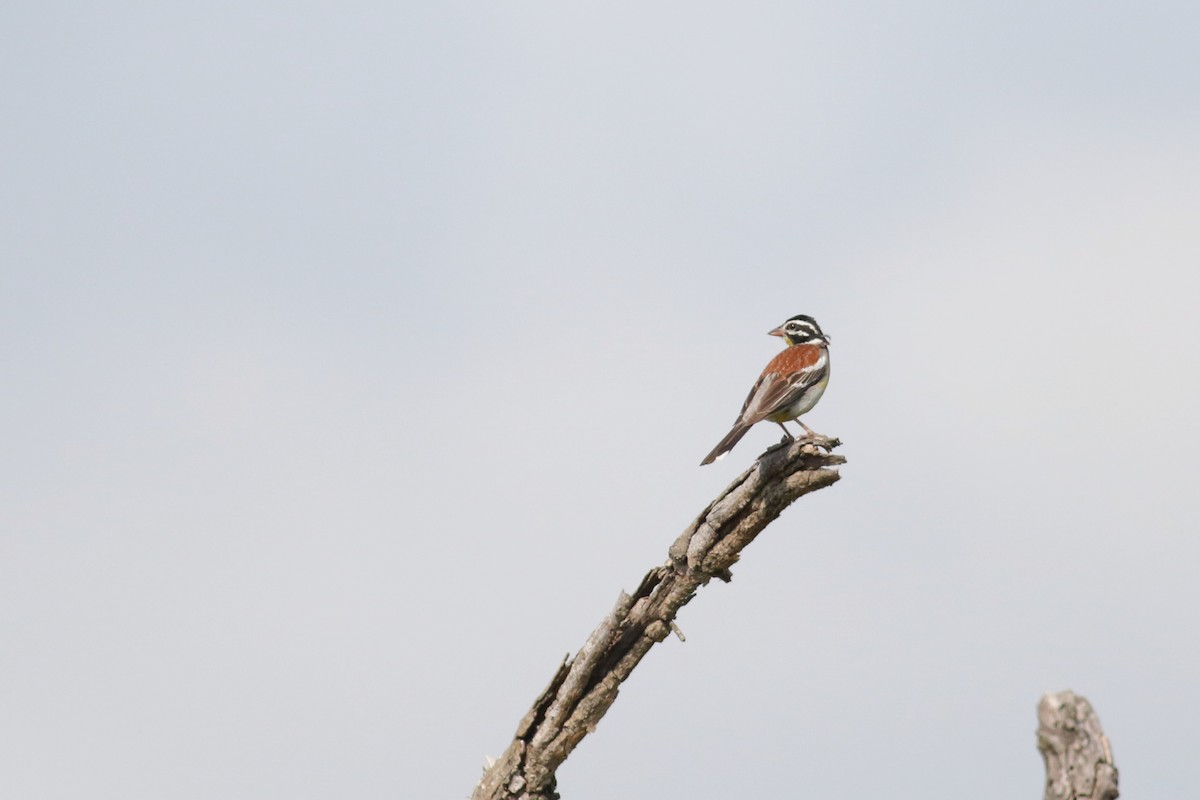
x: 777, y: 332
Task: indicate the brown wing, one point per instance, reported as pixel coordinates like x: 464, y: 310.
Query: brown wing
x: 783, y: 381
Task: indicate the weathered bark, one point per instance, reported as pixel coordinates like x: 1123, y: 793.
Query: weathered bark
x: 1079, y: 762
x: 585, y: 686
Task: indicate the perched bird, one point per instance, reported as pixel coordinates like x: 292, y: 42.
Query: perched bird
x: 790, y: 385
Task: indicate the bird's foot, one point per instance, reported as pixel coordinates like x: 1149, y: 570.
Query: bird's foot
x: 826, y: 443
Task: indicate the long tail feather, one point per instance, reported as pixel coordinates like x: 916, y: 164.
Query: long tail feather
x: 726, y: 444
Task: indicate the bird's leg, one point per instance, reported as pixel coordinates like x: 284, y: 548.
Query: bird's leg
x: 818, y: 439
x: 787, y: 435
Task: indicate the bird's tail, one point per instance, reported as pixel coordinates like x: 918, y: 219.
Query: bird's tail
x: 726, y: 444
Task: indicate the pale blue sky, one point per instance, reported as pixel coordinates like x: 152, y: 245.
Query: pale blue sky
x: 358, y: 354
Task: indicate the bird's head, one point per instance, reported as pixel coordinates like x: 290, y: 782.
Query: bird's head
x: 801, y: 329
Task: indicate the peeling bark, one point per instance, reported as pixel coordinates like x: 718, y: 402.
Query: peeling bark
x: 585, y: 686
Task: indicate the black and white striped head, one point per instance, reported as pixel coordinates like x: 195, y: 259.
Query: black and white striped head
x: 801, y: 329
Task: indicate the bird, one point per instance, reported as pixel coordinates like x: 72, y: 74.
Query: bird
x: 790, y: 385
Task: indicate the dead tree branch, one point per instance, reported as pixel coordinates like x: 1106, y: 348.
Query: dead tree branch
x: 1079, y: 762
x: 587, y: 684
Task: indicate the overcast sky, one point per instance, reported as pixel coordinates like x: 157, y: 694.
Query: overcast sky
x: 357, y: 355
